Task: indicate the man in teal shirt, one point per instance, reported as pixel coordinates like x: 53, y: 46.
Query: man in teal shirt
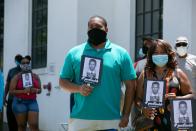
x: 97, y: 102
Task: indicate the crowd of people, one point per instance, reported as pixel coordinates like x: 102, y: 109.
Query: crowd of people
x: 94, y: 73
x: 19, y: 98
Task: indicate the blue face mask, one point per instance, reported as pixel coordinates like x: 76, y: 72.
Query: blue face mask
x: 160, y: 60
x: 141, y: 54
x: 17, y: 63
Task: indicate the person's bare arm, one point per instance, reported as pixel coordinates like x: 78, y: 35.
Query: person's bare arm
x: 67, y: 85
x: 139, y: 90
x: 129, y: 99
x: 185, y: 86
x: 13, y: 85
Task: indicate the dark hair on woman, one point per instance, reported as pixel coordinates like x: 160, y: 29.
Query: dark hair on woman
x: 167, y: 48
x: 18, y: 58
x: 27, y: 57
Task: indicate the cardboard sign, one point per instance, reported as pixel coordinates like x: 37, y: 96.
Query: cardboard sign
x: 91, y: 68
x: 183, y: 115
x: 154, y: 93
x: 27, y: 80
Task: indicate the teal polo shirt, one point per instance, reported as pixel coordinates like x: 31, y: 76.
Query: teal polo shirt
x: 104, y: 102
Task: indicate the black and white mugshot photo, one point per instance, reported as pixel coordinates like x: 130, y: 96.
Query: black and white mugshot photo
x: 27, y: 80
x: 182, y: 114
x: 91, y: 70
x: 154, y: 93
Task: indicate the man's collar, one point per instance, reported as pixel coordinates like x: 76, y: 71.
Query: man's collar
x: 106, y: 47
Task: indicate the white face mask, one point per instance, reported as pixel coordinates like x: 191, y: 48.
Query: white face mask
x: 182, y: 51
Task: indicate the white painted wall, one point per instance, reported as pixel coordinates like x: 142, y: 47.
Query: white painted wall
x: 177, y: 19
x: 117, y: 14
x: 62, y: 35
x: 15, y: 31
x: 193, y: 43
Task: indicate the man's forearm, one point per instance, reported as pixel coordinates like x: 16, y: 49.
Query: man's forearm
x: 129, y: 97
x: 69, y: 86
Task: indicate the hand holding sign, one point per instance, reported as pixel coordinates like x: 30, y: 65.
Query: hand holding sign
x: 149, y: 112
x: 85, y: 90
x: 170, y: 96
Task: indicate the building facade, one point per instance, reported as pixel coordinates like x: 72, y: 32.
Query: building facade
x: 47, y: 29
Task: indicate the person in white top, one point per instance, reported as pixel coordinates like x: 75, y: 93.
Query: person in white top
x: 140, y: 64
x: 186, y: 61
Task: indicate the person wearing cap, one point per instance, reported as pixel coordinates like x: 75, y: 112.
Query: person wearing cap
x: 186, y: 61
x: 140, y: 64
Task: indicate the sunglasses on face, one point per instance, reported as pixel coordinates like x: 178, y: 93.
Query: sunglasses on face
x: 181, y: 44
x: 25, y: 63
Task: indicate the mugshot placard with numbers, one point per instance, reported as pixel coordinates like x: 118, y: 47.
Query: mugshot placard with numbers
x: 154, y: 92
x: 183, y: 115
x: 27, y: 80
x: 91, y: 69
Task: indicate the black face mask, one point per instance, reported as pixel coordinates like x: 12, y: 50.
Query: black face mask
x: 96, y: 36
x: 145, y: 49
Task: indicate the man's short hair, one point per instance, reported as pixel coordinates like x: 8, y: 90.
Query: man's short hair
x: 155, y: 83
x: 100, y: 17
x: 182, y: 102
x: 93, y: 60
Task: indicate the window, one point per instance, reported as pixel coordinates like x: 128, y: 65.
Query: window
x: 1, y: 32
x: 148, y: 21
x: 39, y: 33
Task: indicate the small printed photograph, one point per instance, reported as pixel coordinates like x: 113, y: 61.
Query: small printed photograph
x: 27, y: 80
x: 154, y: 93
x: 182, y: 114
x: 91, y: 70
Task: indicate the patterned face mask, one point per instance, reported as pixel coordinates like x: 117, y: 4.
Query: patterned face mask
x: 25, y: 67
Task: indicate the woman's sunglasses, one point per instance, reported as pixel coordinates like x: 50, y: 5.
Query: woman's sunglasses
x: 25, y: 62
x: 181, y: 44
